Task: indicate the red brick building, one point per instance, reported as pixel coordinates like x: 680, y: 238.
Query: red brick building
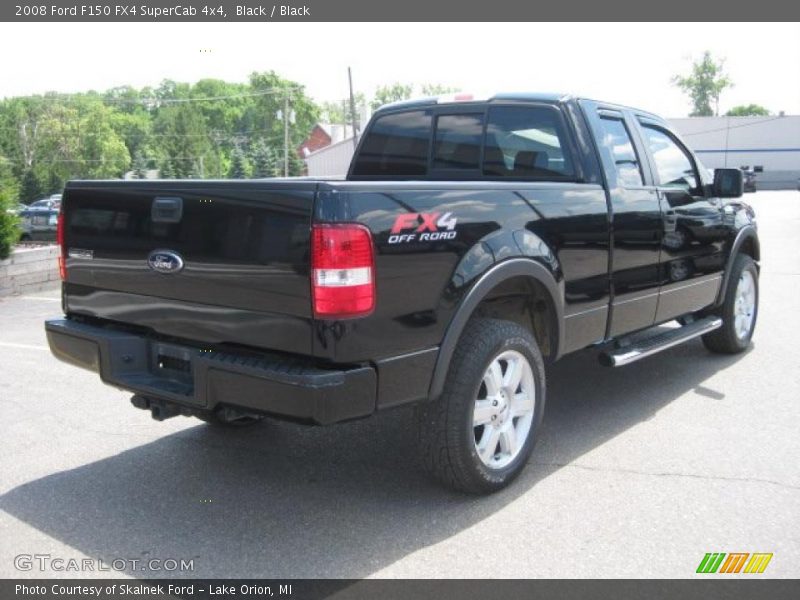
x: 323, y: 135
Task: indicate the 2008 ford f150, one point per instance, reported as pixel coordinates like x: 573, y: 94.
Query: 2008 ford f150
x: 472, y: 243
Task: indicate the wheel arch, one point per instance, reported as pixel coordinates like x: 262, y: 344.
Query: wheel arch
x: 522, y: 269
x: 746, y: 242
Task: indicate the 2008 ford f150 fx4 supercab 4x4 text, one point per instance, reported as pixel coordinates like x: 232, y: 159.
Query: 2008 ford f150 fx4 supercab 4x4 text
x: 472, y: 243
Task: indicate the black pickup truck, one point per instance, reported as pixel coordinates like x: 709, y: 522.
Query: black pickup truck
x: 473, y: 242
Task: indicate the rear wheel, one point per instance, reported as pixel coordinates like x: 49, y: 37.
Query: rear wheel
x: 478, y: 435
x: 739, y: 310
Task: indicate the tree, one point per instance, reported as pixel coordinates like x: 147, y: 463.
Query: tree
x: 166, y: 169
x: 339, y: 112
x: 391, y: 93
x: 135, y: 129
x: 264, y: 160
x: 8, y: 183
x: 103, y: 152
x: 297, y: 166
x: 9, y: 233
x: 704, y: 86
x: 436, y: 89
x: 238, y: 168
x: 183, y: 129
x: 748, y: 110
x: 31, y: 189
x: 139, y: 166
x: 55, y: 184
x: 184, y: 141
x: 274, y: 93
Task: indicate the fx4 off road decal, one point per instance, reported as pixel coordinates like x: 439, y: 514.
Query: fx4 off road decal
x: 423, y: 227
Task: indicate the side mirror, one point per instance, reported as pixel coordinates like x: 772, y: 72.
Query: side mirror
x: 728, y: 183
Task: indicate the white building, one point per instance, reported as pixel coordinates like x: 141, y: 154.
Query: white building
x: 331, y: 161
x: 771, y: 144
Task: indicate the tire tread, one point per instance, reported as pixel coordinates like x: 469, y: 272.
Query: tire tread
x: 438, y: 422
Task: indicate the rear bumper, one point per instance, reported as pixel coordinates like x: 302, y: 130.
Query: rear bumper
x: 272, y: 384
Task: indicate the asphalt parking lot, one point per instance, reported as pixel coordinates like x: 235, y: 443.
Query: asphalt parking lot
x: 639, y: 471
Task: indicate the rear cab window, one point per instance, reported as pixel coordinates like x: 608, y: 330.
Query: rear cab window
x: 396, y: 146
x: 525, y: 142
x: 457, y: 144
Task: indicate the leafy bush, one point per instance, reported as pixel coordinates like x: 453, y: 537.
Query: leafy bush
x: 9, y: 232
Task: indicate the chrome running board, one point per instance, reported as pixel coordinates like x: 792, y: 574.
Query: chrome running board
x: 652, y: 345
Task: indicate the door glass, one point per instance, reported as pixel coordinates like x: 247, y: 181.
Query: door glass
x: 617, y: 139
x: 526, y: 142
x: 673, y: 165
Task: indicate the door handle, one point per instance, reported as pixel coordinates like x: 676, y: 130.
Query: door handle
x: 166, y: 209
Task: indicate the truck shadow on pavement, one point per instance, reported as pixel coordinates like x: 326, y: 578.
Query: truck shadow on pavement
x: 287, y: 501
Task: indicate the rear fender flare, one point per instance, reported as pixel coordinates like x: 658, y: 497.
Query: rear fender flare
x: 515, y: 267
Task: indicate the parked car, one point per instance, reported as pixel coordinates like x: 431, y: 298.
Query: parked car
x: 46, y: 204
x: 24, y: 230
x: 39, y: 225
x: 749, y: 179
x: 472, y: 243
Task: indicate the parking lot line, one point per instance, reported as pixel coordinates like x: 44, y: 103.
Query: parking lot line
x: 41, y: 298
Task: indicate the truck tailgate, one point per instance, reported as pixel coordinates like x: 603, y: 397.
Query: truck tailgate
x: 240, y: 252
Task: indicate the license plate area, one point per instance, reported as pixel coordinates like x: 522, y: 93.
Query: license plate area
x: 171, y: 362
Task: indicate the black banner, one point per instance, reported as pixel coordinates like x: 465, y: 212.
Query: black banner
x: 374, y: 589
x: 407, y: 10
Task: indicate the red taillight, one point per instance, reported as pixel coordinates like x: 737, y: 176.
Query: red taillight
x: 342, y: 271
x: 62, y: 259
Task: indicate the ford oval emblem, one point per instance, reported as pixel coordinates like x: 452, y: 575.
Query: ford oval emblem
x: 165, y: 261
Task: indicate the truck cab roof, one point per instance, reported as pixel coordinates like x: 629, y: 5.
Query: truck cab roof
x: 464, y: 97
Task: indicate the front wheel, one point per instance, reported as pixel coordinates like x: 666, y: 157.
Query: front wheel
x: 478, y: 435
x: 738, y: 311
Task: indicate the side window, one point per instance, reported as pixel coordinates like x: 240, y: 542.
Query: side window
x: 458, y: 141
x: 618, y: 140
x: 526, y: 142
x: 673, y: 165
x: 396, y: 145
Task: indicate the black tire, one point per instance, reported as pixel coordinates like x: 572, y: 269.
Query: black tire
x: 725, y: 340
x: 447, y: 435
x: 229, y: 419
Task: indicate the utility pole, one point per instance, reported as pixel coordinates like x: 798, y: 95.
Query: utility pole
x: 352, y: 108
